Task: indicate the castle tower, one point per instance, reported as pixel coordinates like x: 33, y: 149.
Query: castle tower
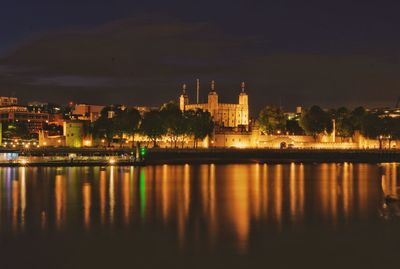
x: 243, y: 97
x: 243, y: 118
x: 213, y: 100
x: 184, y: 98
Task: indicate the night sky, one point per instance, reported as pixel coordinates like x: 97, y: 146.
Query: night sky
x: 290, y: 53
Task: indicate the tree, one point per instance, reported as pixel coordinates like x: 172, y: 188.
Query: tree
x: 16, y: 130
x: 116, y: 120
x: 200, y: 124
x: 174, y: 121
x: 344, y: 124
x: 293, y: 127
x: 103, y: 127
x: 316, y: 121
x: 271, y: 120
x: 357, y: 117
x: 126, y: 121
x: 53, y: 129
x: 153, y: 126
x: 372, y: 126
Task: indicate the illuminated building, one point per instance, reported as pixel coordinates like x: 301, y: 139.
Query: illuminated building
x: 86, y: 112
x: 224, y: 115
x: 76, y: 133
x: 8, y: 101
x: 33, y: 120
x: 386, y: 112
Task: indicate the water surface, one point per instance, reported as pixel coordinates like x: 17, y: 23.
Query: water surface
x: 197, y: 216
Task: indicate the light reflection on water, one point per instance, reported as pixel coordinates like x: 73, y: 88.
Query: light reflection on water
x: 210, y: 203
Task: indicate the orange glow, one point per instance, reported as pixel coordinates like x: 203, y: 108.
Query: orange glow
x: 102, y: 190
x: 126, y: 197
x: 238, y: 210
x: 87, y: 197
x: 60, y: 201
x: 15, y: 204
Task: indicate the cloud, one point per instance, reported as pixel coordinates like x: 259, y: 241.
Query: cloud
x: 144, y: 61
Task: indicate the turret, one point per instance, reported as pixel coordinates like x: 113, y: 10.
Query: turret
x: 212, y: 99
x: 243, y: 97
x: 184, y: 98
x: 244, y: 103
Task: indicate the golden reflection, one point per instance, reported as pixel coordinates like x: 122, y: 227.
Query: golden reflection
x: 60, y: 201
x: 213, y: 206
x: 256, y: 192
x: 278, y: 199
x: 86, y: 193
x: 389, y: 180
x: 293, y: 192
x: 362, y: 189
x: 126, y: 197
x: 347, y: 189
x: 324, y: 190
x: 333, y: 197
x: 15, y: 204
x: 206, y: 202
x: 296, y: 189
x: 23, y: 195
x: 301, y: 191
x: 264, y: 191
x: 183, y: 204
x: 207, y: 187
x: 238, y: 207
x: 111, y: 194
x: 165, y: 193
x: 103, y: 190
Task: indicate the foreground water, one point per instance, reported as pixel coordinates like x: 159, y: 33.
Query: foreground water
x: 216, y: 216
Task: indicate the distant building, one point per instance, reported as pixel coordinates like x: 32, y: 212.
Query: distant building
x: 44, y: 107
x: 77, y: 134
x: 34, y: 121
x: 8, y: 101
x: 386, y: 112
x: 144, y: 109
x: 46, y: 140
x: 224, y: 115
x: 86, y: 112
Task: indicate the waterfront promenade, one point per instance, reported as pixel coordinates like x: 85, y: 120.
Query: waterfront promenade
x: 103, y: 157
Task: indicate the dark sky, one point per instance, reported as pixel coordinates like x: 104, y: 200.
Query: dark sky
x: 331, y: 53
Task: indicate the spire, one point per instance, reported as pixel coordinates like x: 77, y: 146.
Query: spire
x: 243, y: 85
x: 213, y: 86
x: 184, y: 88
x: 197, y: 89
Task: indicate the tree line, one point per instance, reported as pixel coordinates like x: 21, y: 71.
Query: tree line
x: 169, y: 121
x: 315, y: 120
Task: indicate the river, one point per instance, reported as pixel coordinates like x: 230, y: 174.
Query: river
x: 200, y: 216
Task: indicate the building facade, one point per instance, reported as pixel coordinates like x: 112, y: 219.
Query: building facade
x: 86, y: 112
x: 223, y: 114
x: 34, y: 121
x: 76, y: 133
x: 8, y: 101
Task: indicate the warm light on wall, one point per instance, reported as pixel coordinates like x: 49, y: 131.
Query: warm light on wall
x: 240, y: 145
x: 87, y: 143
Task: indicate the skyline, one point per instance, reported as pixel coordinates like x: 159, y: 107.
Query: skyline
x: 289, y: 54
